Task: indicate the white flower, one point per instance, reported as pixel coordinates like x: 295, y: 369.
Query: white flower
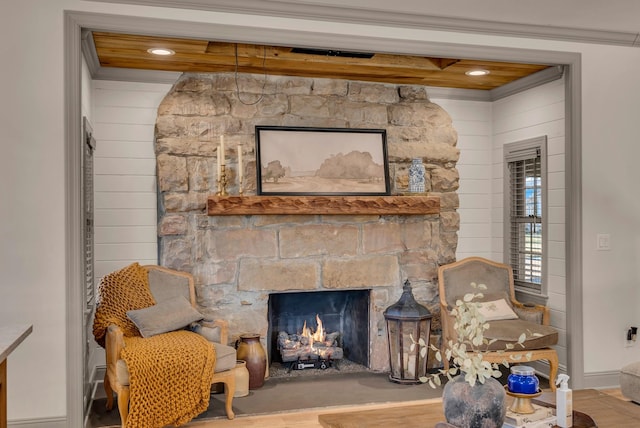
x: 465, y: 353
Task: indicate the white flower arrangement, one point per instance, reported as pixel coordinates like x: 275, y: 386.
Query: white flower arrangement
x: 465, y: 352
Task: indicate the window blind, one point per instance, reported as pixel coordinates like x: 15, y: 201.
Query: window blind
x: 526, y: 243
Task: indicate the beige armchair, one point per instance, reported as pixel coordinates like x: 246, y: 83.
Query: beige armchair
x: 164, y: 284
x: 454, y: 282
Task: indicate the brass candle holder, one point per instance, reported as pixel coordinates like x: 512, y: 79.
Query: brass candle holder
x: 222, y: 181
x: 522, y: 402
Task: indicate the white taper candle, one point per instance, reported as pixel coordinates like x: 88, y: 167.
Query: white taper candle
x: 239, y: 164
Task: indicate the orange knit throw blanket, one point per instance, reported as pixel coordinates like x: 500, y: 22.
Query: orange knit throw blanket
x: 169, y: 374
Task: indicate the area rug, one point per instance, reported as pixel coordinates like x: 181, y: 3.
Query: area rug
x: 299, y: 393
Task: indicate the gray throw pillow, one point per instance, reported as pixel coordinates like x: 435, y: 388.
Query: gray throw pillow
x: 169, y: 315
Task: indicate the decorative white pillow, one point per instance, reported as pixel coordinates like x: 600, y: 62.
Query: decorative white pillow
x: 169, y: 315
x: 497, y: 310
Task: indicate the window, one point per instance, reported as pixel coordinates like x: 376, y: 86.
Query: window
x: 525, y: 208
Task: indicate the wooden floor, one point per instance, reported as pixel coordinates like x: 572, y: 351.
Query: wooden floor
x: 302, y: 419
x: 309, y: 418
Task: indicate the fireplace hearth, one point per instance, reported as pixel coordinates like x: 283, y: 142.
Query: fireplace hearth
x: 342, y: 328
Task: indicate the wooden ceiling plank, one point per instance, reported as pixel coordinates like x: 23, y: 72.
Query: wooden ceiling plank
x: 130, y: 51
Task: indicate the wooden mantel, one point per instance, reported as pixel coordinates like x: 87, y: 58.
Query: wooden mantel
x: 326, y: 205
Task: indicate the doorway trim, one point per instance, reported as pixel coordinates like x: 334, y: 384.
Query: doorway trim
x: 75, y: 22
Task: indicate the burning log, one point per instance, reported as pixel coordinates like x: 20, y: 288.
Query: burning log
x: 309, y: 345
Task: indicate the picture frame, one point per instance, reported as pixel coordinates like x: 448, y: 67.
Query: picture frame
x: 321, y: 161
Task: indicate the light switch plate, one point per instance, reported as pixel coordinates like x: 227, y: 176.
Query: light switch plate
x: 603, y: 242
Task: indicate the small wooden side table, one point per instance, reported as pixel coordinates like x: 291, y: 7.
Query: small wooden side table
x: 10, y: 338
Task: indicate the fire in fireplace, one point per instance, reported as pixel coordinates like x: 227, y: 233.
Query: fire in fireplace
x: 310, y: 349
x: 341, y: 319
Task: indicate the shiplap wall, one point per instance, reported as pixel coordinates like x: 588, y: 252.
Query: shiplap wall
x: 473, y: 122
x: 125, y: 173
x: 536, y: 112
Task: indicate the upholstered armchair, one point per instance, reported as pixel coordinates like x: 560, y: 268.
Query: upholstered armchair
x: 166, y: 286
x: 509, y: 319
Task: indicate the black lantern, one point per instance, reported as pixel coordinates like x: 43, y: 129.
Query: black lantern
x: 407, y: 319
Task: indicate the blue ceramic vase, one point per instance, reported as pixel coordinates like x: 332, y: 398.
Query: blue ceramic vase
x: 416, y: 176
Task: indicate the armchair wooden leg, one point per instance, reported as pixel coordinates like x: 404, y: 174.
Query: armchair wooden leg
x: 108, y: 391
x: 229, y: 390
x: 553, y: 370
x: 228, y: 378
x: 123, y: 405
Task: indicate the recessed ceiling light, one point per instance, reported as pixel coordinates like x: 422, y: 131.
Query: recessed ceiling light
x: 161, y: 51
x: 477, y: 72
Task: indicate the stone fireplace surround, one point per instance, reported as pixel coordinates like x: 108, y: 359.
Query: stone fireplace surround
x: 238, y: 260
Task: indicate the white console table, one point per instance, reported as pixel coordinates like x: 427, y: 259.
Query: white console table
x: 10, y: 337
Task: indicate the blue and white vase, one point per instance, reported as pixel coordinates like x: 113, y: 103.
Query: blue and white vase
x: 416, y: 176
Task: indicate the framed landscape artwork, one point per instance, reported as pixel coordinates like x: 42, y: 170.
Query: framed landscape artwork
x: 321, y: 161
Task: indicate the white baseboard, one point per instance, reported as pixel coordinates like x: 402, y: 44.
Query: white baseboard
x: 39, y: 423
x: 602, y: 380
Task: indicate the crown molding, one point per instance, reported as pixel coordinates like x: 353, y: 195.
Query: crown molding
x: 338, y: 13
x: 540, y: 78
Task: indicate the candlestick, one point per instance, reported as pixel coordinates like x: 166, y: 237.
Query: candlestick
x: 222, y: 182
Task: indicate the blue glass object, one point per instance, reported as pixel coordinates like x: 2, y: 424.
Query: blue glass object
x: 523, y: 380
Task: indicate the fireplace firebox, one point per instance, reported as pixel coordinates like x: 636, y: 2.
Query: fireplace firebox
x: 342, y: 312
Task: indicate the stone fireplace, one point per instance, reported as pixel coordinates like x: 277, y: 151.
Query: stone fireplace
x: 241, y: 261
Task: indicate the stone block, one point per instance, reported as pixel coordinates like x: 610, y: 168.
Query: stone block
x: 447, y: 249
x: 362, y: 113
x: 249, y: 85
x: 417, y: 234
x: 200, y: 173
x: 444, y: 179
x: 172, y: 173
x: 237, y: 243
x: 190, y: 82
x: 176, y: 253
x: 243, y: 110
x: 448, y: 201
x: 273, y: 105
x: 185, y: 146
x: 413, y: 93
x: 355, y: 219
x: 277, y: 275
x: 307, y: 105
x: 449, y: 221
x: 227, y: 221
x: 363, y: 272
x: 418, y: 114
x: 435, y: 152
x: 419, y: 265
x: 314, y: 121
x: 330, y: 87
x: 271, y: 220
x: 195, y: 103
x: 290, y: 85
x: 183, y: 202
x: 381, y: 238
x: 209, y: 272
x: 173, y: 225
x: 378, y: 93
x: 318, y: 240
